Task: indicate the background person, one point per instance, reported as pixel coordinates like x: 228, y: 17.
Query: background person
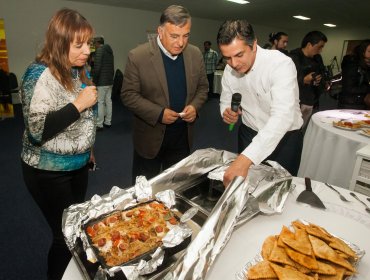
x: 356, y: 78
x: 279, y: 41
x: 163, y: 78
x: 103, y: 73
x: 210, y: 62
x: 271, y: 119
x: 59, y: 126
x: 310, y: 70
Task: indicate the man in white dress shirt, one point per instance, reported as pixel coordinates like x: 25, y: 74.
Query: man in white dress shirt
x: 271, y: 117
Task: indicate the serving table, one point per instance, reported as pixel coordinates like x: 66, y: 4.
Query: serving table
x: 329, y: 153
x: 347, y: 220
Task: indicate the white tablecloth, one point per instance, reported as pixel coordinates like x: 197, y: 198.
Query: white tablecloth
x: 329, y: 153
x: 347, y: 220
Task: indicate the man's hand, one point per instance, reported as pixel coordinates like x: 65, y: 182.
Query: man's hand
x: 189, y: 114
x: 239, y: 167
x: 169, y: 116
x: 229, y: 116
x: 309, y: 78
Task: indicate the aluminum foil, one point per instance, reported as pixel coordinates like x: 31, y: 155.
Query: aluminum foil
x: 264, y: 191
x: 202, y: 251
x: 191, y: 169
x: 77, y: 216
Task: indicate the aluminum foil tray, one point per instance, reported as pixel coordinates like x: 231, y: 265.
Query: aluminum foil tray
x: 205, y: 193
x: 146, y: 255
x: 89, y: 269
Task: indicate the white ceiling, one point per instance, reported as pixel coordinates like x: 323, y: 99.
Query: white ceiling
x: 346, y: 14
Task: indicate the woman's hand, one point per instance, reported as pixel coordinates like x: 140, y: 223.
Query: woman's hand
x: 86, y: 98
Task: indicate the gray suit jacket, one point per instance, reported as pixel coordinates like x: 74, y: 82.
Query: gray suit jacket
x: 145, y: 92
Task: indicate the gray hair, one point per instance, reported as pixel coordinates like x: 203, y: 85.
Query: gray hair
x: 174, y: 14
x: 232, y: 29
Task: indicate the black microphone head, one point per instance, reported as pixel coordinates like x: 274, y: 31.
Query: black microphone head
x: 235, y: 101
x: 236, y: 97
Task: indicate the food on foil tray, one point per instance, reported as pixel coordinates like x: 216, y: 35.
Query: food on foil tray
x: 347, y: 125
x: 307, y: 251
x: 125, y: 235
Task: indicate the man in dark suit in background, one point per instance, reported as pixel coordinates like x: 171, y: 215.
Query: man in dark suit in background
x: 165, y: 86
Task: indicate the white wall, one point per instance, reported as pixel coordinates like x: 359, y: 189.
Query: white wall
x: 122, y: 28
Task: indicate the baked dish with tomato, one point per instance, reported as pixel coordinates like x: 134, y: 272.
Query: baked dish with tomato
x: 347, y: 125
x: 124, y: 236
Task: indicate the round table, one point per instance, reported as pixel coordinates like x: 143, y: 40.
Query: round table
x: 329, y: 153
x: 347, y: 220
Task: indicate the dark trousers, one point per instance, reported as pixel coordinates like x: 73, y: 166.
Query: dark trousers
x: 54, y: 191
x: 210, y: 82
x: 287, y: 153
x: 175, y: 147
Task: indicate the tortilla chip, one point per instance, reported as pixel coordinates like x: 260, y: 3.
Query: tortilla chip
x: 304, y: 248
x: 342, y: 246
x: 319, y: 232
x: 343, y: 255
x: 325, y: 268
x: 338, y: 276
x: 279, y: 255
x: 324, y: 251
x: 302, y: 236
x: 298, y: 224
x: 302, y: 268
x: 261, y: 270
x: 286, y: 273
x: 307, y: 261
x: 285, y: 233
x: 267, y: 246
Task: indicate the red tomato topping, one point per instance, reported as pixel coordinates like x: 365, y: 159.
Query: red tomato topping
x: 129, y: 214
x: 143, y: 237
x: 90, y: 231
x: 112, y: 219
x: 123, y: 246
x: 101, y: 242
x: 173, y: 221
x: 115, y: 235
x: 159, y: 229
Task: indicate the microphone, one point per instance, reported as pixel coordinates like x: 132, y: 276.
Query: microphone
x: 235, y: 104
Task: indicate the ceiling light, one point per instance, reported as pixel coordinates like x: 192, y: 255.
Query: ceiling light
x: 302, y: 17
x: 330, y: 25
x: 239, y: 1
